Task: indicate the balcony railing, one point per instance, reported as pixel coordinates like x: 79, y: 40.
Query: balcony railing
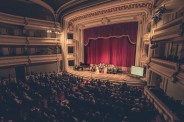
x: 18, y: 40
x: 19, y: 60
x: 168, y: 115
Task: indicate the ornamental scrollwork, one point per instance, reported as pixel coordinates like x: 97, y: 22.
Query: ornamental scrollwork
x: 147, y: 5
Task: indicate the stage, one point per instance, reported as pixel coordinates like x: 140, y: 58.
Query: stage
x: 124, y: 77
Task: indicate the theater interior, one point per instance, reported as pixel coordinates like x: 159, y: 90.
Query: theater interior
x: 91, y: 61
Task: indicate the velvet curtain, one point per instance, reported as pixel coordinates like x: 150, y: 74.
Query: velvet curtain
x: 110, y: 44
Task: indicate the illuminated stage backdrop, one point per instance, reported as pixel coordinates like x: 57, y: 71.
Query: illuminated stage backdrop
x: 111, y: 44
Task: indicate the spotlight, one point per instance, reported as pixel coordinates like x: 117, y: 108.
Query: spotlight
x: 49, y: 31
x: 162, y: 9
x: 159, y: 13
x: 156, y: 18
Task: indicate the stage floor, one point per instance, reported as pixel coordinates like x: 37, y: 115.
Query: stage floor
x: 125, y: 77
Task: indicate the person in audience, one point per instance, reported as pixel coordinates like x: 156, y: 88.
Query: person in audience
x: 67, y: 98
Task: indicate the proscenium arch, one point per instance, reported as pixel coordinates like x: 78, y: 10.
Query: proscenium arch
x: 81, y: 20
x: 60, y: 16
x: 118, y: 7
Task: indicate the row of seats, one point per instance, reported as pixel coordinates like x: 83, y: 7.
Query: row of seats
x: 68, y: 98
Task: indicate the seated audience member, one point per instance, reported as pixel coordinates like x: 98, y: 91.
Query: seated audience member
x: 68, y: 98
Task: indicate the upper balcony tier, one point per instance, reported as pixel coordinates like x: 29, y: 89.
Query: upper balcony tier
x: 20, y: 60
x: 167, y: 113
x: 168, y: 69
x: 27, y: 22
x: 19, y: 40
x: 170, y: 31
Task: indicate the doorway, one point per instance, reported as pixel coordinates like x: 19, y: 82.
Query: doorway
x: 20, y: 73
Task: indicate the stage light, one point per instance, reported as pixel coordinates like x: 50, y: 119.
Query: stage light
x: 161, y: 10
x: 49, y: 31
x: 158, y: 13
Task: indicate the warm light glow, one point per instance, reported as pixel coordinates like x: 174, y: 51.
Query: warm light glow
x: 49, y: 31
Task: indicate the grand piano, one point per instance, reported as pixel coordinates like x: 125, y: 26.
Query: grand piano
x: 83, y: 66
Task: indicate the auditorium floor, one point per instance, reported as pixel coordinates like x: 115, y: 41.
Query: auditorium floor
x: 124, y: 77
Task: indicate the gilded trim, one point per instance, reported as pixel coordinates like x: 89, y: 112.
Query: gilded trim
x: 111, y: 37
x: 114, y: 9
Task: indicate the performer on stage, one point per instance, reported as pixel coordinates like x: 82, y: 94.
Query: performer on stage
x: 97, y: 70
x: 105, y: 70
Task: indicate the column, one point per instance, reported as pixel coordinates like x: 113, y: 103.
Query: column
x: 138, y: 44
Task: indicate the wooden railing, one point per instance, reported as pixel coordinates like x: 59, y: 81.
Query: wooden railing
x: 162, y: 67
x: 18, y: 60
x: 168, y: 115
x: 170, y: 30
x: 28, y: 22
x: 18, y: 40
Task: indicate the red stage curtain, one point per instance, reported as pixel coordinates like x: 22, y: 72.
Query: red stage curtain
x: 117, y: 51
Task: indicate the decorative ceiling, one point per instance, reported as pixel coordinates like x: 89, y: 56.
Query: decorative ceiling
x: 25, y: 8
x: 46, y: 9
x: 55, y: 4
x: 56, y: 9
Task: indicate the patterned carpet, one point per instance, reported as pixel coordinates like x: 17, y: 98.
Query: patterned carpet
x: 125, y: 77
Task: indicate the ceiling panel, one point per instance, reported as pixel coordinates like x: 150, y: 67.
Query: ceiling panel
x: 25, y: 8
x: 55, y: 4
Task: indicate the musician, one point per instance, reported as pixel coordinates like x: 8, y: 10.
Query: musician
x: 105, y: 70
x: 93, y: 68
x: 97, y: 70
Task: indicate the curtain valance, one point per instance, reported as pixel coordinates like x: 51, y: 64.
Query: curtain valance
x: 121, y: 30
x: 127, y: 36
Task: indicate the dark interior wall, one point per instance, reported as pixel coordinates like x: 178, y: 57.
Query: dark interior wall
x: 6, y: 72
x: 9, y: 72
x: 43, y: 67
x: 25, y: 8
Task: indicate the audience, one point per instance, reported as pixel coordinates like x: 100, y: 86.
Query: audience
x: 68, y: 98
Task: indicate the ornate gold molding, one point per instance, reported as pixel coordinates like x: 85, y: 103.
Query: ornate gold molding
x: 80, y: 26
x: 105, y: 20
x: 147, y: 5
x: 146, y: 37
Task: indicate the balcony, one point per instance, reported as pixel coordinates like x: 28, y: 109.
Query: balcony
x: 30, y: 22
x: 163, y: 67
x: 168, y: 69
x: 11, y: 19
x: 19, y: 40
x: 169, y: 31
x: 27, y: 22
x: 20, y: 60
x: 180, y: 76
x: 168, y: 115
